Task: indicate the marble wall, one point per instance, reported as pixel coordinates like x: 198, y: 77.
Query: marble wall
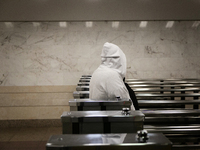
x: 34, y: 102
x: 41, y: 62
x: 58, y: 53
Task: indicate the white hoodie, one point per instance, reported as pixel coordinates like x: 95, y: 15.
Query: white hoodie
x: 107, y: 80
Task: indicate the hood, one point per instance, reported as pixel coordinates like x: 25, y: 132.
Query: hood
x: 113, y: 57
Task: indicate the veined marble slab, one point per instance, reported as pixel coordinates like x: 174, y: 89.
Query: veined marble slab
x: 54, y: 53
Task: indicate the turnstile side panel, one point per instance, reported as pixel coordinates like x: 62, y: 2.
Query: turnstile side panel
x: 121, y: 141
x: 126, y: 127
x: 101, y: 127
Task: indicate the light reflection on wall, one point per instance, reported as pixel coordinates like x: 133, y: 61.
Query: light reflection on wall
x: 169, y: 24
x: 63, y: 24
x: 89, y: 24
x: 36, y: 24
x: 143, y: 24
x: 9, y: 24
x: 195, y: 24
x: 115, y: 24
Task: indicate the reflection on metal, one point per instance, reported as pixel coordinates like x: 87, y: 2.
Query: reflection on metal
x: 160, y: 102
x: 142, y: 136
x: 168, y: 95
x: 84, y: 80
x: 154, y: 85
x: 163, y: 80
x: 125, y: 111
x: 171, y: 113
x: 118, y: 141
x: 84, y: 122
x: 160, y: 83
x: 85, y: 94
x: 87, y: 104
x: 164, y: 102
x: 82, y: 88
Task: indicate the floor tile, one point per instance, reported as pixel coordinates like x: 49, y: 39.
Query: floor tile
x: 7, y: 133
x: 26, y: 138
x: 42, y: 145
x: 52, y: 131
x: 30, y: 134
x: 3, y: 144
x: 23, y: 144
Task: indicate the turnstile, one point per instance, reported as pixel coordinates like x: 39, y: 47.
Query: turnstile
x: 122, y: 141
x: 81, y: 94
x: 86, y: 122
x: 87, y: 104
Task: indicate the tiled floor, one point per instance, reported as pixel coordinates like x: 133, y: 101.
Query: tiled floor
x: 26, y: 138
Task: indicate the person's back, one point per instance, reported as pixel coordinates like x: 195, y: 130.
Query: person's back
x: 106, y: 84
x: 107, y: 80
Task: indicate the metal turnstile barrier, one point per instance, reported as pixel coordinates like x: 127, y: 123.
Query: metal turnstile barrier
x: 86, y: 122
x: 87, y: 104
x: 121, y: 141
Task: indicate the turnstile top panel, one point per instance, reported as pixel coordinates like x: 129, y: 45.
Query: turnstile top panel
x: 101, y: 116
x: 89, y: 102
x: 122, y: 139
x: 174, y: 112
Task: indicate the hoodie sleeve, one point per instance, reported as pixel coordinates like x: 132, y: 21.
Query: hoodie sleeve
x: 115, y: 87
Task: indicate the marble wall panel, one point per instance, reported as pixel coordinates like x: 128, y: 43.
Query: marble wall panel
x: 177, y: 49
x: 193, y: 35
x: 134, y: 74
x: 36, y: 102
x: 147, y: 37
x: 173, y: 64
x: 51, y: 53
x: 75, y: 52
x: 12, y: 58
x: 48, y: 58
x: 20, y: 79
x: 13, y: 37
x: 133, y: 51
x: 50, y: 78
x: 198, y: 49
x: 17, y: 113
x: 191, y: 50
x: 183, y: 74
x: 192, y: 63
x: 157, y: 51
x: 167, y: 75
x: 198, y: 74
x: 37, y: 89
x: 144, y: 64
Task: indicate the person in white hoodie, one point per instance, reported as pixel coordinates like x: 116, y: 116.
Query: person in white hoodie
x: 107, y: 80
